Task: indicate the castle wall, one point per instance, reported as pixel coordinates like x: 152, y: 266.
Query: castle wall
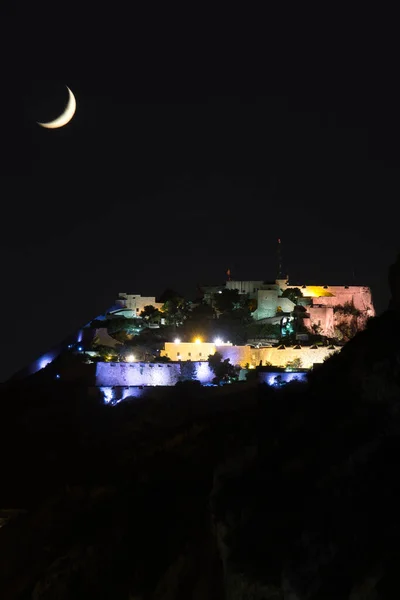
x: 136, y: 374
x: 323, y: 317
x: 188, y: 350
x: 313, y: 291
x: 286, y: 304
x: 239, y: 355
x: 361, y: 297
x: 168, y: 374
x: 324, y: 298
x: 267, y: 303
x: 332, y: 295
x: 308, y: 355
x: 242, y: 355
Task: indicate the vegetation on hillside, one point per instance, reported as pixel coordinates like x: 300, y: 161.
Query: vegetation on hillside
x: 293, y: 294
x: 228, y: 317
x: 288, y: 478
x: 223, y: 370
x: 347, y: 308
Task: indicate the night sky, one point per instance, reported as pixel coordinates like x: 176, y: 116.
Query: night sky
x: 180, y: 164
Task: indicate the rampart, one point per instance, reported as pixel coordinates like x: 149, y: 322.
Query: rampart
x: 136, y: 374
x: 276, y: 356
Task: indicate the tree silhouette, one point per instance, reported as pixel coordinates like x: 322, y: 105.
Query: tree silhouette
x: 151, y: 314
x: 293, y: 294
x: 223, y: 370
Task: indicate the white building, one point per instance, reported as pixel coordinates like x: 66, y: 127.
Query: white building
x: 194, y: 351
x: 245, y: 287
x: 136, y: 302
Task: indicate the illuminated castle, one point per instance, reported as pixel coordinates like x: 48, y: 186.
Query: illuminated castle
x: 331, y: 310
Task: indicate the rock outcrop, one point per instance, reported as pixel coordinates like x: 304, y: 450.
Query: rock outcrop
x: 255, y: 494
x: 394, y: 285
x: 315, y: 515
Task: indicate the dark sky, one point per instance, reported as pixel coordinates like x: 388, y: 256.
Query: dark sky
x: 181, y: 162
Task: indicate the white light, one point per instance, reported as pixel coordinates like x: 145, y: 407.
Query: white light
x: 177, y: 341
x: 107, y: 394
x: 44, y: 362
x: 218, y: 342
x: 130, y: 358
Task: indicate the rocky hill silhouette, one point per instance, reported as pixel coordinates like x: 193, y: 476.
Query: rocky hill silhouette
x: 247, y: 492
x: 314, y: 515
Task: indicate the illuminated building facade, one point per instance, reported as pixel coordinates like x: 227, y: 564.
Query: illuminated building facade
x: 324, y: 306
x: 321, y: 304
x: 195, y: 351
x: 136, y: 303
x: 247, y: 355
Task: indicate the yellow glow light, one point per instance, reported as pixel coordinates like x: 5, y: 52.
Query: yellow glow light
x: 315, y: 291
x: 130, y: 358
x: 197, y: 341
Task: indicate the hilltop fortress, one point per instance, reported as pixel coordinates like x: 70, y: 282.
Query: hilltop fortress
x: 325, y: 309
x: 330, y: 310
x: 280, y: 325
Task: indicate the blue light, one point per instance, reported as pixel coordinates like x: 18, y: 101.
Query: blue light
x: 58, y: 376
x: 281, y: 379
x: 44, y: 362
x: 107, y: 394
x: 80, y: 348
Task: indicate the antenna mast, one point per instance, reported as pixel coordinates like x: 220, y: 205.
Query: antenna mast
x: 279, y: 275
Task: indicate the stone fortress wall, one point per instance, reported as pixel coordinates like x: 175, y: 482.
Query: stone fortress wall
x: 168, y: 374
x: 188, y: 350
x: 319, y: 301
x: 243, y: 355
x: 136, y: 374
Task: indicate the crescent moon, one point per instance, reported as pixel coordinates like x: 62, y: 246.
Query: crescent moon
x: 65, y: 117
